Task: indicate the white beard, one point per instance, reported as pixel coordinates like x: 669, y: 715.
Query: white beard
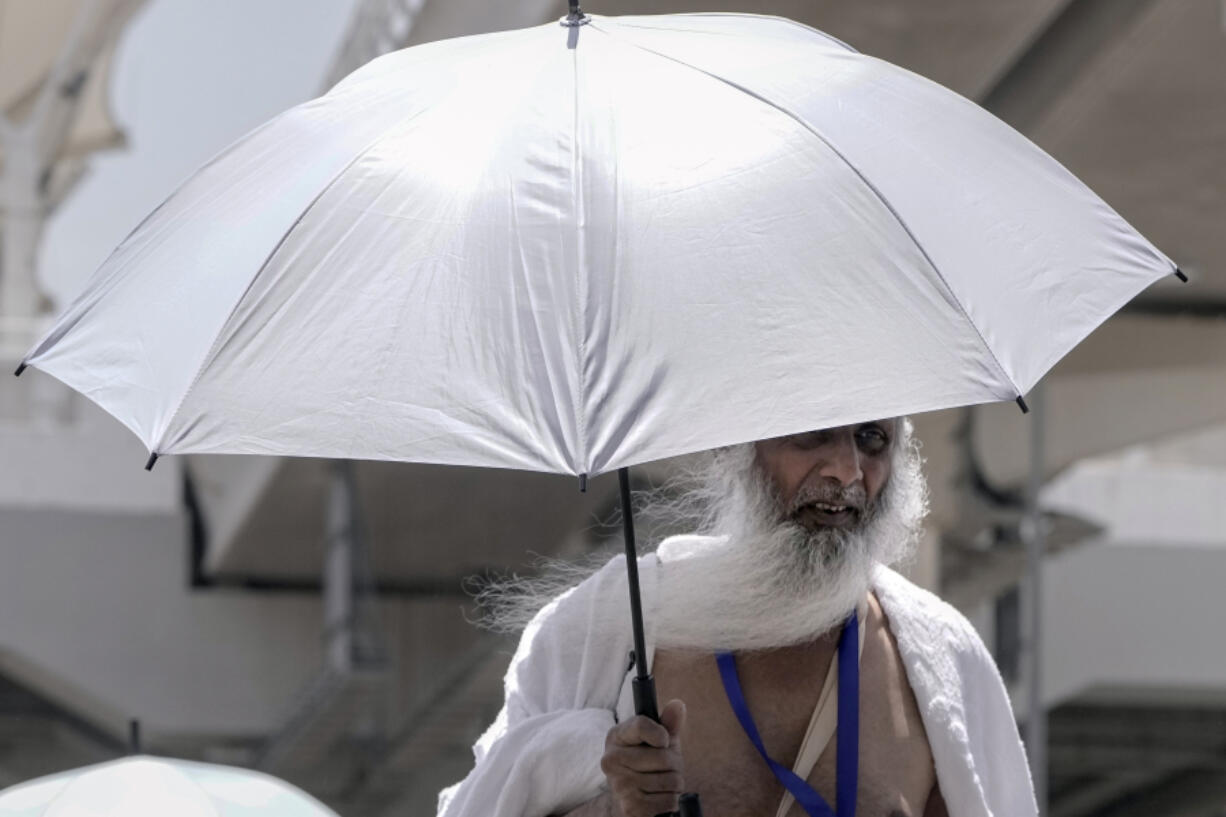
x: 765, y: 583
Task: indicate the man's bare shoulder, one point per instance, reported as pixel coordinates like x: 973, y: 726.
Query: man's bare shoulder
x: 919, y: 619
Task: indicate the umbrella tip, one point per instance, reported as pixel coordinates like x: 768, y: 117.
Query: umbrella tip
x: 1021, y: 403
x: 583, y: 483
x: 153, y: 458
x: 1179, y: 274
x: 134, y: 736
x: 575, y: 17
x: 20, y: 368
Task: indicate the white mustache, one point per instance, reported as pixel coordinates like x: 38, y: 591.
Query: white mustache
x: 854, y: 497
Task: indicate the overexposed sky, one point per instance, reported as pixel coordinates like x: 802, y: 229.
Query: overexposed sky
x: 190, y: 77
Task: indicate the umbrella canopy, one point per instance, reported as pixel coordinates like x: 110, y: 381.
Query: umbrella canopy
x: 143, y: 786
x: 579, y: 248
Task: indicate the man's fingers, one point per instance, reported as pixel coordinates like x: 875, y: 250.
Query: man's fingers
x: 662, y: 783
x: 639, y: 730
x: 642, y: 759
x: 658, y: 803
x: 643, y: 765
x: 672, y: 717
x: 636, y: 803
x: 656, y: 783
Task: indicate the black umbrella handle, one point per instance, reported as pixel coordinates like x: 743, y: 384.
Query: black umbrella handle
x: 644, y: 685
x: 645, y: 704
x: 645, y: 697
x: 689, y: 806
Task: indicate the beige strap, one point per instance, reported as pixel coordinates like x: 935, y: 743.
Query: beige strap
x: 825, y: 718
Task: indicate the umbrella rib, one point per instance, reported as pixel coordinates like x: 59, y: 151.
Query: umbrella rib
x: 213, y: 347
x: 859, y: 174
x: 774, y: 17
x: 581, y: 292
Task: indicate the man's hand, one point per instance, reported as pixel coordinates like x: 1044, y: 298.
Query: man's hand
x: 642, y: 762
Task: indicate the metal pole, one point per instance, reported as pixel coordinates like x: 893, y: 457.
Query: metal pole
x: 338, y: 569
x: 134, y: 743
x: 1036, y: 542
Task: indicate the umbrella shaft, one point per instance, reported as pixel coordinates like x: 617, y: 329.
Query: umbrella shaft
x: 636, y: 605
x: 644, y: 685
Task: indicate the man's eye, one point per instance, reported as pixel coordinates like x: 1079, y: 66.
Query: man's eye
x: 872, y: 439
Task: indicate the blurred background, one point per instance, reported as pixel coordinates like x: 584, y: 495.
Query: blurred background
x: 310, y: 619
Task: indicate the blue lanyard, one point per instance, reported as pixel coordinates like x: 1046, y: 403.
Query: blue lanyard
x: 848, y: 731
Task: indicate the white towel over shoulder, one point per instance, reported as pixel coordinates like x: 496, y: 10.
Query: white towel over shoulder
x: 541, y: 756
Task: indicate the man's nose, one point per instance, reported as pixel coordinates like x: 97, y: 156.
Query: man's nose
x: 842, y: 459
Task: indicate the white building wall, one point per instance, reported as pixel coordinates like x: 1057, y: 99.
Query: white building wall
x: 96, y: 612
x: 1140, y: 614
x: 1135, y: 622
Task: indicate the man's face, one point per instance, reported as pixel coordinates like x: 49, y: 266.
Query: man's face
x: 831, y: 478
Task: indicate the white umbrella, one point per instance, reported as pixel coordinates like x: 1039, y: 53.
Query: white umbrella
x: 143, y: 786
x: 575, y: 249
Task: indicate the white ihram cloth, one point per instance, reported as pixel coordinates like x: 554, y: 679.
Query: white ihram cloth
x: 541, y: 756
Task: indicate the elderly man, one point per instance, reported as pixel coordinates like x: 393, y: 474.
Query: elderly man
x: 777, y: 636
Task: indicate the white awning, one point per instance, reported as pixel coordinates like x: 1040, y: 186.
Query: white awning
x: 32, y: 37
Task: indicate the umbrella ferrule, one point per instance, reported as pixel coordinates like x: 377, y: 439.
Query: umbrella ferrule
x: 576, y: 17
